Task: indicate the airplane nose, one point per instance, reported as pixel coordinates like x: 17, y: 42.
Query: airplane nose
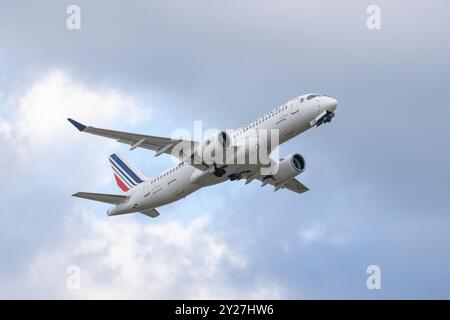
x: 331, y: 104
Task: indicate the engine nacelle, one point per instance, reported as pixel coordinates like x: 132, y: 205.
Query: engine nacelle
x: 289, y: 167
x: 213, y: 148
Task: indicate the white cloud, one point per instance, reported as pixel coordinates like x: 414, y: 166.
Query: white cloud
x: 311, y: 235
x: 46, y: 105
x: 121, y: 258
x: 35, y: 132
x: 5, y: 129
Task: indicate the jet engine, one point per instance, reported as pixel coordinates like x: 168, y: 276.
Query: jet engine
x: 220, y: 139
x: 288, y: 167
x: 213, y: 148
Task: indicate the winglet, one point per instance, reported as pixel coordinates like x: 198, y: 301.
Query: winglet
x: 77, y: 125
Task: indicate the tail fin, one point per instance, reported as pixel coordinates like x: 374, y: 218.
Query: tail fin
x: 125, y: 174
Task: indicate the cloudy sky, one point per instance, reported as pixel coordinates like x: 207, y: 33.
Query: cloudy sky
x: 378, y: 173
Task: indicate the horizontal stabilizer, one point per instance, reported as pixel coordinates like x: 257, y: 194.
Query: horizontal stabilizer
x: 101, y: 197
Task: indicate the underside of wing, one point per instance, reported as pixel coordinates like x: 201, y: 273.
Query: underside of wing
x: 290, y: 184
x: 153, y: 213
x: 158, y: 144
x: 296, y: 186
x: 101, y: 197
x: 253, y: 172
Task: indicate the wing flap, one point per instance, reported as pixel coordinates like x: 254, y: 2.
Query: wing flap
x: 101, y: 197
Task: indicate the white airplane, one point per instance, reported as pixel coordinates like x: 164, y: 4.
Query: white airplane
x: 144, y: 195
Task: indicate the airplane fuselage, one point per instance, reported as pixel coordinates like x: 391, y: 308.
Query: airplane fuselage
x: 290, y: 119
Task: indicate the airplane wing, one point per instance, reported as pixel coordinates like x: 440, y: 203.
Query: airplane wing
x: 158, y: 144
x: 101, y: 197
x: 296, y: 186
x: 151, y: 213
x: 290, y: 184
x: 252, y: 172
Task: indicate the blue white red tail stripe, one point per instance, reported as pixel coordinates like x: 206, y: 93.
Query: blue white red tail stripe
x: 121, y: 174
x: 123, y: 180
x: 126, y: 176
x: 126, y: 168
x: 121, y: 184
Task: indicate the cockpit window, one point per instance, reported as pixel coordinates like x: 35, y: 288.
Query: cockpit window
x: 311, y: 96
